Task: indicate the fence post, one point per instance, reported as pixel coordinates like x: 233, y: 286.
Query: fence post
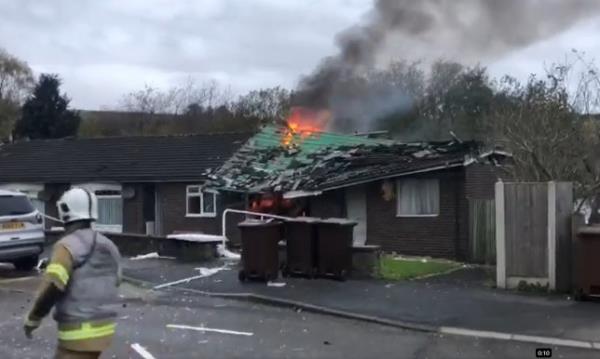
x: 552, y: 235
x: 500, y: 237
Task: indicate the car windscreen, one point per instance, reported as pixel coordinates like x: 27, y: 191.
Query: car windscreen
x: 15, y: 205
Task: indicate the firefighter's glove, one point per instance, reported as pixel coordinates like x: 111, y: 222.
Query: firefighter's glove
x: 29, y: 326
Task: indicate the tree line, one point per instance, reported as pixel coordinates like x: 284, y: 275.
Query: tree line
x: 548, y: 123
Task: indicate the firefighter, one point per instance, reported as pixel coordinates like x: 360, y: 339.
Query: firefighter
x: 81, y: 282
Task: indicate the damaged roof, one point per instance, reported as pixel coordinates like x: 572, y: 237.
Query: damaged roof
x: 322, y: 161
x: 120, y: 159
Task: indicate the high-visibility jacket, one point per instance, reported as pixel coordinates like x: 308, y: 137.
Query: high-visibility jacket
x: 89, y: 277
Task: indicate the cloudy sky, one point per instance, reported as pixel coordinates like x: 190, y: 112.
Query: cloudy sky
x: 104, y: 49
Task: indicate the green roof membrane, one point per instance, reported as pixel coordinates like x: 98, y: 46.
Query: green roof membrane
x: 272, y: 136
x: 269, y: 142
x: 323, y: 160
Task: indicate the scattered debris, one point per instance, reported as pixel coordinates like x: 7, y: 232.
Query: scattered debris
x: 276, y: 284
x: 153, y: 255
x: 207, y: 272
x: 225, y: 253
x: 204, y: 329
x: 142, y: 351
x: 326, y: 160
x: 204, y: 272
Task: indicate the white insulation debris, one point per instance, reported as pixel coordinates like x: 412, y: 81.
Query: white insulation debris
x: 203, y: 329
x: 143, y: 352
x: 153, y: 255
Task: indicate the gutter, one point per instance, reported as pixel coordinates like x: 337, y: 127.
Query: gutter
x: 404, y: 174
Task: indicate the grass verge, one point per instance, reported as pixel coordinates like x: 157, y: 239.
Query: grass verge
x: 393, y: 268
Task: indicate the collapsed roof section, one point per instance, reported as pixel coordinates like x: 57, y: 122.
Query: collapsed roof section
x: 323, y: 161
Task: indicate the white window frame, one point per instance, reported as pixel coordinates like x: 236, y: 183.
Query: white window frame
x: 407, y: 215
x: 94, y: 187
x: 200, y: 194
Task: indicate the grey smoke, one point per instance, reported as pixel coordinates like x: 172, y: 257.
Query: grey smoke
x: 468, y: 31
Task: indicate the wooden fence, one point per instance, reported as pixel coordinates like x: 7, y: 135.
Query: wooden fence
x: 533, y: 233
x: 482, y: 231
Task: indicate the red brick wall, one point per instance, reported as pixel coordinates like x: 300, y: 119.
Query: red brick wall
x: 441, y: 236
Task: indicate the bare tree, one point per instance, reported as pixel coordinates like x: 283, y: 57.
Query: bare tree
x: 550, y: 128
x: 270, y: 104
x: 16, y: 83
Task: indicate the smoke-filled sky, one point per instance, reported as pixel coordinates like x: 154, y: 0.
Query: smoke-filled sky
x: 103, y: 49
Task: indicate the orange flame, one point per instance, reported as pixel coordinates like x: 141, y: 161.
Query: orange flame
x: 302, y: 123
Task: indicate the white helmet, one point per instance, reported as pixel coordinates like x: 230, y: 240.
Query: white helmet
x: 77, y: 204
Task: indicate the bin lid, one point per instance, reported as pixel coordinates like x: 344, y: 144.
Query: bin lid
x: 589, y: 231
x: 340, y: 221
x: 197, y: 237
x: 258, y: 222
x: 303, y: 220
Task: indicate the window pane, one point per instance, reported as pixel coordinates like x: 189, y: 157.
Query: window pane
x: 418, y: 197
x: 110, y: 211
x: 194, y: 205
x: 208, y: 203
x: 193, y: 189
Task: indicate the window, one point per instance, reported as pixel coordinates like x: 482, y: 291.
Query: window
x: 110, y: 206
x: 418, y: 197
x: 200, y: 203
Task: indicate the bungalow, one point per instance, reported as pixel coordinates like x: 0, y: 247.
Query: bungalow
x: 144, y: 185
x: 410, y: 198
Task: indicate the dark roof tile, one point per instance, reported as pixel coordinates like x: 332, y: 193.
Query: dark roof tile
x: 121, y: 159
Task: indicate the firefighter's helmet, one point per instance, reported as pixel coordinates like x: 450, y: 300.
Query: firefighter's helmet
x: 77, y: 204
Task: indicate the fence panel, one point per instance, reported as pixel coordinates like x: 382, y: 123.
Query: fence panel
x: 526, y: 231
x: 482, y: 231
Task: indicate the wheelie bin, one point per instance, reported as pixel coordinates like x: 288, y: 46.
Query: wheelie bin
x: 334, y: 247
x: 301, y: 247
x: 586, y: 266
x: 260, y: 254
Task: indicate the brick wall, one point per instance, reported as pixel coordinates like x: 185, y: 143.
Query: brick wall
x: 443, y: 236
x: 172, y: 197
x: 329, y: 204
x: 480, y: 180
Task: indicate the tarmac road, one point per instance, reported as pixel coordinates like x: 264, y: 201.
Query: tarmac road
x: 276, y: 332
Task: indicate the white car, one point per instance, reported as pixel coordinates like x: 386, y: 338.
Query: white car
x: 21, y: 231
